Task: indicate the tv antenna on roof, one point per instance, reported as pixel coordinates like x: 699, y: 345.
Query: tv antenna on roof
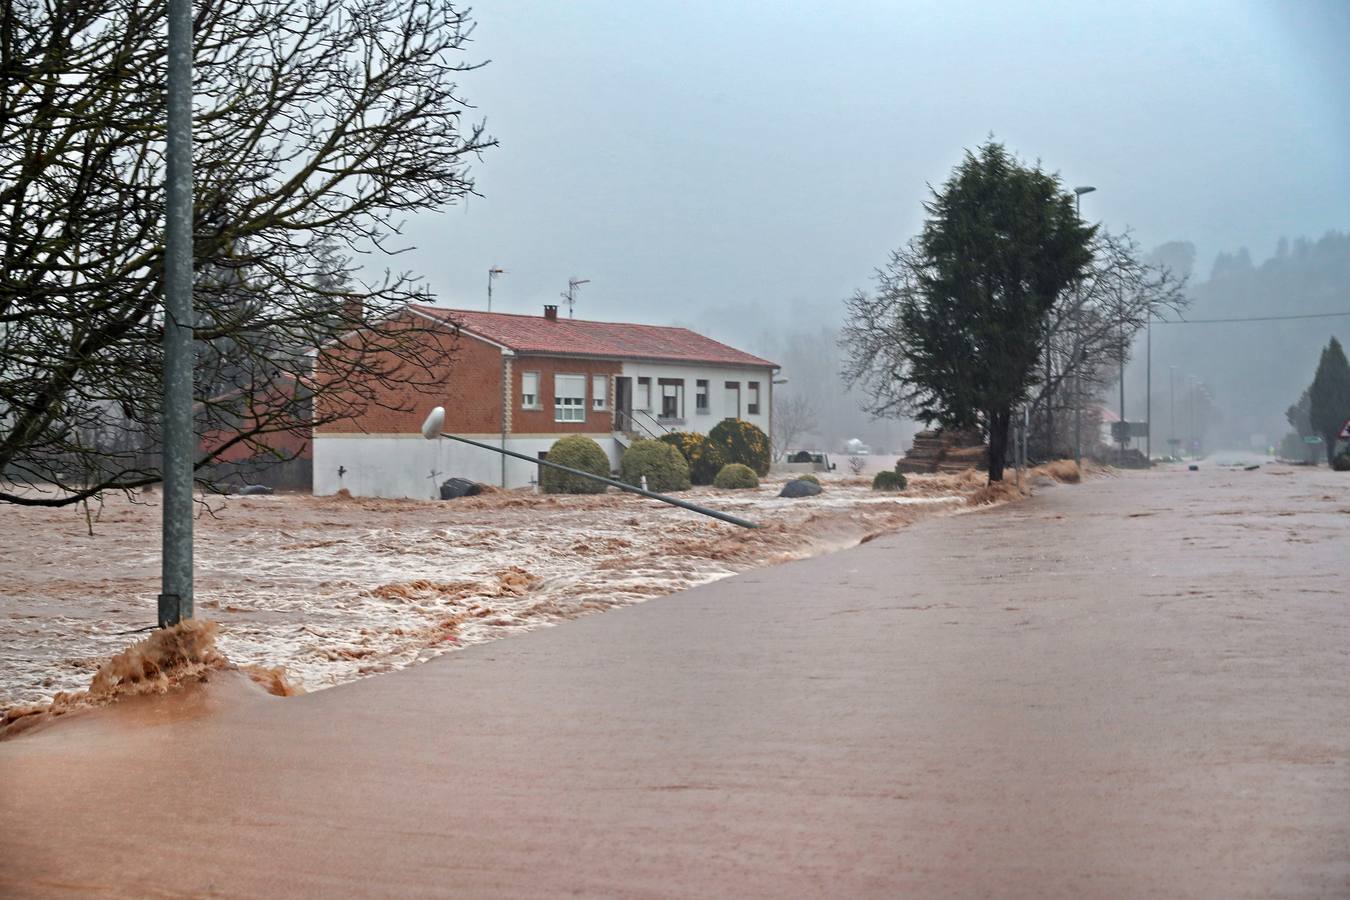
x: 571, y: 294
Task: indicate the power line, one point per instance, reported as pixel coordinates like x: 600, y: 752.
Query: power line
x: 1248, y: 319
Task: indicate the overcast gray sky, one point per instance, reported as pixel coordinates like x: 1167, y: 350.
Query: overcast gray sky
x: 762, y: 158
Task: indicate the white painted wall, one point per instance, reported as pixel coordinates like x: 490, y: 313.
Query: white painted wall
x: 717, y: 407
x: 401, y: 465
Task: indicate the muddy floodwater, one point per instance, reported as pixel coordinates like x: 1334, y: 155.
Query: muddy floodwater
x: 1130, y: 687
x: 335, y: 588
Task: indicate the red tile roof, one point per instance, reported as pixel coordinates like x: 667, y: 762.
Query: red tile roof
x: 579, y: 337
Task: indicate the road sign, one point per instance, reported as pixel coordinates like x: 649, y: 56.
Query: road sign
x: 1345, y: 431
x: 1312, y: 439
x: 1123, y: 430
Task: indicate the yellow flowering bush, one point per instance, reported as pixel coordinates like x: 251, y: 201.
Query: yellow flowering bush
x: 704, y: 457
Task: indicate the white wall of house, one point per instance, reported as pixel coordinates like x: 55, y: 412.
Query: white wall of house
x: 720, y: 404
x: 400, y: 465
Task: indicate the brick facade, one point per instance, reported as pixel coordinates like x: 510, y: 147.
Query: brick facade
x: 467, y: 384
x: 471, y: 392
x: 540, y: 421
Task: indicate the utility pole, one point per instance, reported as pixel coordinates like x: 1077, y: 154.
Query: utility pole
x: 1049, y: 400
x: 1172, y: 408
x: 1191, y: 386
x: 1124, y: 425
x: 1148, y: 388
x: 493, y: 272
x: 570, y: 295
x: 175, y: 599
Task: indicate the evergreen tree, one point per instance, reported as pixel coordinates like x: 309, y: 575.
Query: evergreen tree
x: 1329, y: 396
x: 959, y: 324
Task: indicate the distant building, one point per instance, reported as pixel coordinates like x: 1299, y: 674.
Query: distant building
x: 521, y: 382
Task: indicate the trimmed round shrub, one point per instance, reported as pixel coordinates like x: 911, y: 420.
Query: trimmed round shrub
x: 735, y: 477
x: 808, y: 477
x: 579, y: 452
x: 705, y: 458
x: 663, y: 465
x: 1341, y: 462
x: 742, y: 443
x: 886, y: 480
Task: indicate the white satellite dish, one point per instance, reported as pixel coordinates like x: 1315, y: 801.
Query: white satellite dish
x: 431, y: 428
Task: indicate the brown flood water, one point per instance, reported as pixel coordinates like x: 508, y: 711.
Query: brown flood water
x: 334, y: 589
x: 1131, y: 687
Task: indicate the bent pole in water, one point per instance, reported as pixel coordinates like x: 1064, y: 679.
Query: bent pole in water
x: 431, y: 429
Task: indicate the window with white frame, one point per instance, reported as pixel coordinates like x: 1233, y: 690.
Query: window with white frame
x: 529, y: 390
x: 701, y: 396
x: 569, y: 398
x: 672, y: 398
x: 599, y: 391
x: 752, y: 399
x: 643, y: 400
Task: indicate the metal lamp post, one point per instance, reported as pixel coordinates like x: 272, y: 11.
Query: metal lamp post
x: 1077, y: 378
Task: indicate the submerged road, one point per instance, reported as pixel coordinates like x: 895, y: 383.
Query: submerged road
x: 1138, y: 686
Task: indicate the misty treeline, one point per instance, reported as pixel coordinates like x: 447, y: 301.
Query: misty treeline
x: 1005, y: 305
x: 319, y: 125
x: 815, y: 409
x: 1229, y: 384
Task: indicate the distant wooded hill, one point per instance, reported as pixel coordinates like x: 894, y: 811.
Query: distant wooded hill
x: 1252, y: 370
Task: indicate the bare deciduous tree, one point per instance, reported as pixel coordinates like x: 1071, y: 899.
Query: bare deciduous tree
x: 318, y: 125
x: 1088, y: 331
x: 794, y: 414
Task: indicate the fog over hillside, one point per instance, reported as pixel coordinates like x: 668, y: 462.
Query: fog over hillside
x: 1248, y: 372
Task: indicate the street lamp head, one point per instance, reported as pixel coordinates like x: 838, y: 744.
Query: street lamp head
x: 1086, y: 189
x: 431, y: 428
x: 496, y: 270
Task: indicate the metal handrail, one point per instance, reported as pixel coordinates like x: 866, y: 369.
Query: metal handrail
x: 636, y: 424
x: 655, y: 421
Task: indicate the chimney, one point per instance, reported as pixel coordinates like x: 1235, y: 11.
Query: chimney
x: 353, y: 312
x: 551, y: 312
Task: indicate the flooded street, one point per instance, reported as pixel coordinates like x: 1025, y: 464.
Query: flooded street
x: 1130, y: 687
x: 331, y: 589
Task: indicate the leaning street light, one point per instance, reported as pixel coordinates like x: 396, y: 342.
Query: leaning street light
x: 435, y: 421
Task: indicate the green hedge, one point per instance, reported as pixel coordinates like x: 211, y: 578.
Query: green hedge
x: 808, y: 477
x: 665, y: 468
x: 579, y: 452
x: 735, y: 477
x: 705, y: 458
x: 1341, y: 462
x: 889, y: 481
x: 742, y: 443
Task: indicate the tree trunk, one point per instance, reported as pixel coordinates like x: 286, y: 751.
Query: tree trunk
x: 1329, y: 444
x: 998, y: 442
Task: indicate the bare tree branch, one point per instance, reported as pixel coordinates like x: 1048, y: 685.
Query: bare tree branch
x: 319, y: 124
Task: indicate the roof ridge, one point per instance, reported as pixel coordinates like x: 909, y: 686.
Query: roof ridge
x: 523, y: 332
x: 485, y: 312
